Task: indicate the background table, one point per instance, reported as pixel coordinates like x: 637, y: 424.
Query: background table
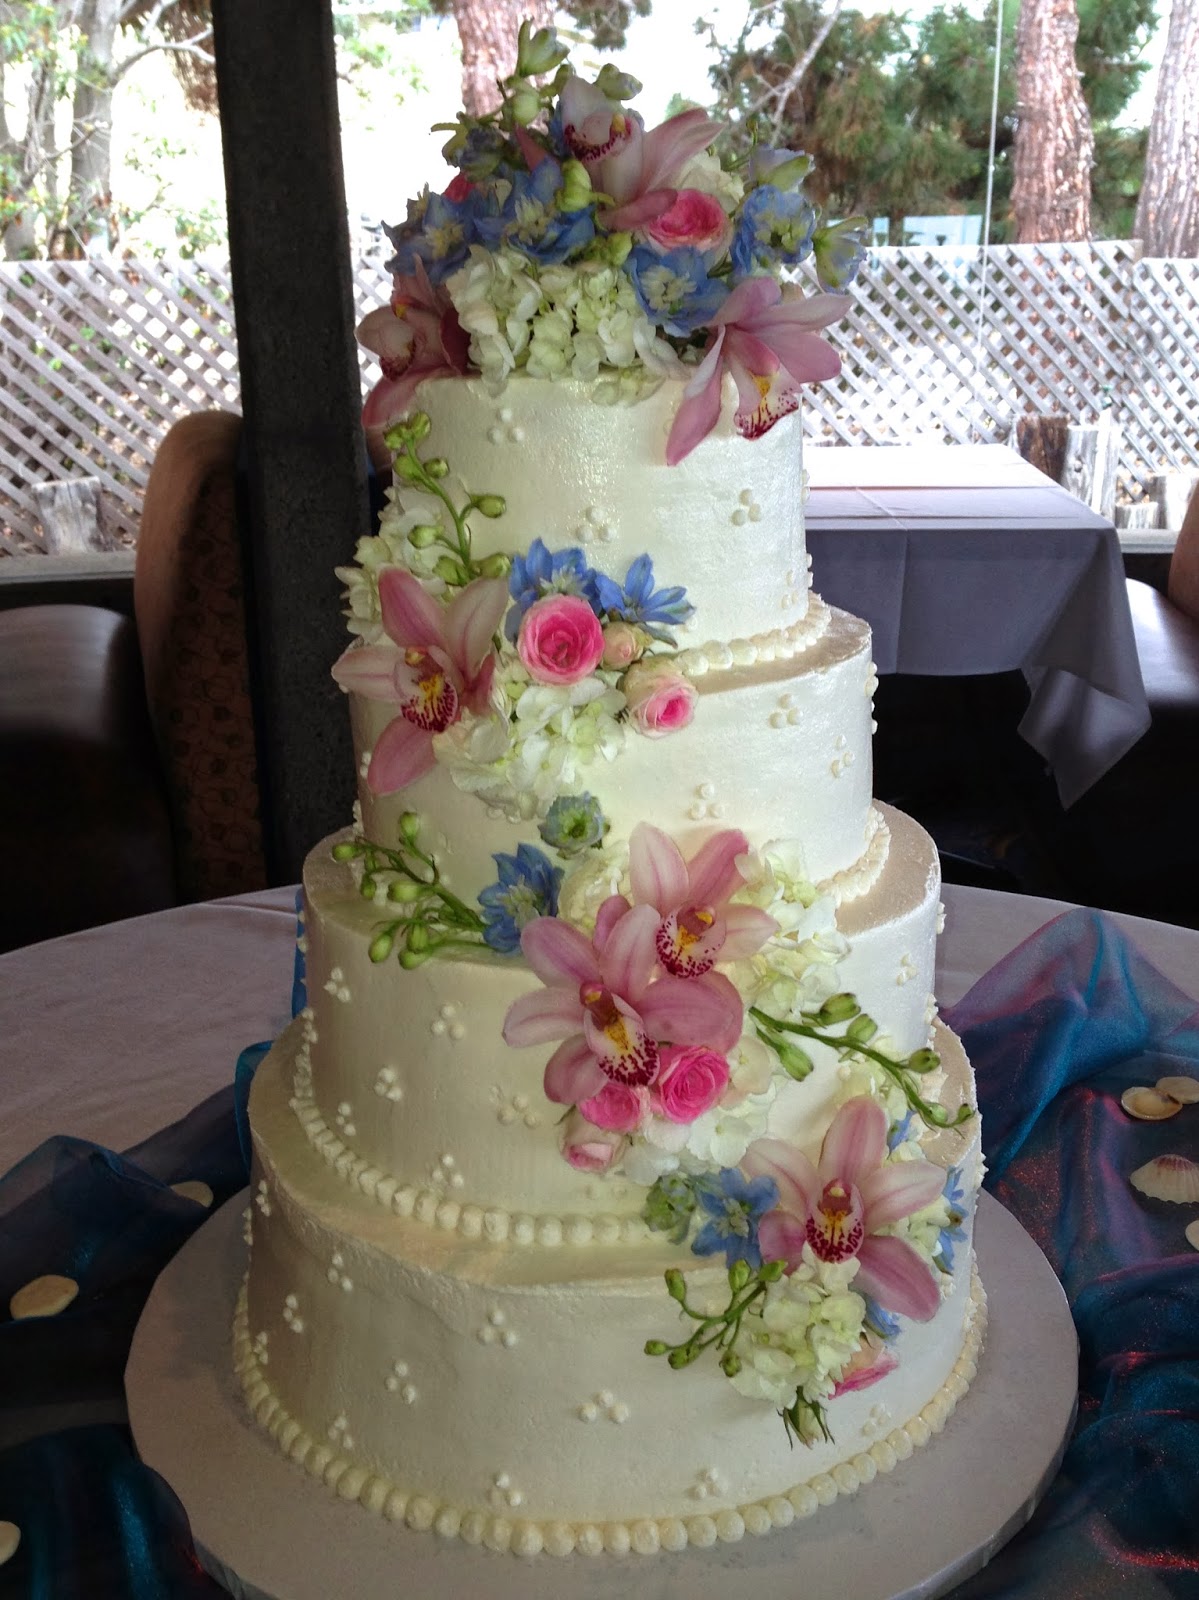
x: 967, y: 560
x: 112, y: 1033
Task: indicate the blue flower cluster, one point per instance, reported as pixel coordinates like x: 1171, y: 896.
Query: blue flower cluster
x: 774, y: 229
x: 735, y: 1205
x: 541, y: 572
x: 673, y: 287
x: 527, y: 888
x: 530, y: 219
x: 638, y: 602
x: 954, y: 1234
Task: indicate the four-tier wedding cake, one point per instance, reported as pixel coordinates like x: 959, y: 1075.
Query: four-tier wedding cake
x: 614, y: 1188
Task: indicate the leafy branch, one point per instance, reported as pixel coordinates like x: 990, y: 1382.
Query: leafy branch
x: 432, y: 919
x: 853, y: 1041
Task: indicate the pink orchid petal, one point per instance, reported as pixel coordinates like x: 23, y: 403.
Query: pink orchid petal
x: 385, y: 334
x: 686, y: 1011
x: 402, y: 754
x: 471, y: 619
x: 891, y: 1272
x: 606, y: 918
x: 897, y: 1190
x: 713, y: 874
x: 667, y: 148
x: 621, y: 1043
x: 411, y: 615
x: 699, y: 411
x: 529, y: 148
x: 629, y: 956
x: 618, y: 173
x: 391, y: 397
x: 855, y: 1143
x: 633, y: 214
x: 798, y: 310
x: 781, y: 1238
x: 749, y: 300
x: 559, y: 953
x: 807, y: 357
x: 746, y: 930
x: 657, y: 871
x: 795, y: 1175
x: 552, y: 1013
x: 572, y: 1073
x: 368, y: 670
x: 477, y: 696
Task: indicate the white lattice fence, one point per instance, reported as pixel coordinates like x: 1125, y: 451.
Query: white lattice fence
x: 98, y: 359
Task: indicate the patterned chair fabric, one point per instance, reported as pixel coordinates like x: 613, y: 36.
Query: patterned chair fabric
x: 189, y: 600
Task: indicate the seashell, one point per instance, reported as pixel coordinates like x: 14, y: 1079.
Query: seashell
x: 1184, y: 1090
x: 1192, y: 1234
x: 1149, y: 1105
x: 1168, y: 1178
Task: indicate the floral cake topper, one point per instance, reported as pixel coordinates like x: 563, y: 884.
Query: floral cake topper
x: 576, y: 242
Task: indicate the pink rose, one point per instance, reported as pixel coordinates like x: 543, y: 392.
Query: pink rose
x: 659, y: 702
x: 695, y: 219
x: 690, y: 1081
x: 619, y: 1107
x: 588, y: 1148
x: 622, y: 645
x: 560, y: 639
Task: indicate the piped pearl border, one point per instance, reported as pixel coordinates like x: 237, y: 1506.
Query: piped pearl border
x: 434, y: 1208
x: 779, y: 644
x: 854, y: 881
x: 646, y: 1536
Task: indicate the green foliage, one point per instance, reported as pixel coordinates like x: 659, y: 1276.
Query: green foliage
x: 897, y: 111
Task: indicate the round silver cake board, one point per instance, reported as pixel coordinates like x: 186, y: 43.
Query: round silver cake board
x: 267, y: 1530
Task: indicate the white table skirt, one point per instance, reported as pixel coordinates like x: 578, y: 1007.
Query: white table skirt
x: 113, y: 1033
x: 964, y: 560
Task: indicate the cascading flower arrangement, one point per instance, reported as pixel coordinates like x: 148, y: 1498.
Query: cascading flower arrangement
x: 576, y: 242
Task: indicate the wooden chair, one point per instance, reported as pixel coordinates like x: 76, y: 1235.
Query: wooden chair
x: 127, y: 748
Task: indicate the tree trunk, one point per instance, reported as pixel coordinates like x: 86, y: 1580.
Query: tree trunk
x: 487, y: 29
x: 1167, y: 220
x: 90, y: 214
x: 1055, y: 147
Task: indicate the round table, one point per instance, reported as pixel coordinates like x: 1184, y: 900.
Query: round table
x: 115, y: 1032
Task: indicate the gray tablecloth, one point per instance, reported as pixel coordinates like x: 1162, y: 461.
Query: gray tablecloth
x: 1011, y: 572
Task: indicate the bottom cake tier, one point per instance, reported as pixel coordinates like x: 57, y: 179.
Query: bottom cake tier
x: 501, y: 1393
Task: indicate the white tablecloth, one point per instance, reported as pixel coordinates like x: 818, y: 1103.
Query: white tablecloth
x: 966, y: 559
x: 113, y: 1033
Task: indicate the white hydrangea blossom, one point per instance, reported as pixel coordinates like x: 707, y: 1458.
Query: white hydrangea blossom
x: 591, y: 879
x: 496, y: 297
x: 704, y: 172
x: 807, y: 1332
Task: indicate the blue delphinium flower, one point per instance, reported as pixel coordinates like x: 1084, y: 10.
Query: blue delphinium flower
x: 438, y: 231
x: 527, y: 888
x: 735, y: 1205
x: 539, y: 573
x: 637, y: 601
x: 531, y: 222
x: 884, y: 1323
x: 900, y: 1132
x: 574, y: 823
x: 954, y: 1233
x: 774, y: 228
x: 674, y: 289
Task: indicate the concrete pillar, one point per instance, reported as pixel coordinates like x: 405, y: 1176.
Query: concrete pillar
x: 306, y: 465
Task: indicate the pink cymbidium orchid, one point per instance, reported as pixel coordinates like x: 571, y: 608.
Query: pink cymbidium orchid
x: 636, y: 170
x: 605, y: 1000
x: 698, y: 925
x: 417, y: 336
x: 768, y: 341
x: 838, y: 1207
x: 445, y: 664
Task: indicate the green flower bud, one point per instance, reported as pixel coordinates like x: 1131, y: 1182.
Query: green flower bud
x: 739, y: 1276
x: 496, y: 566
x: 613, y: 248
x: 655, y: 1347
x: 381, y: 945
x: 448, y: 570
x: 923, y: 1061
x: 367, y: 887
x: 524, y: 103
x: 409, y: 827
x: 413, y: 958
x: 436, y: 467
x: 346, y: 850
x: 538, y: 51
x: 404, y: 893
x: 789, y: 174
x: 423, y: 535
x: 772, y: 1271
x: 397, y: 436
x: 796, y: 1063
x: 617, y: 85
x: 418, y: 937
x: 676, y: 1285
x: 419, y: 424
x: 683, y: 1357
x: 862, y: 1029
x: 407, y: 468
x: 490, y: 505
x: 730, y: 1363
x: 838, y: 1008
x: 576, y: 193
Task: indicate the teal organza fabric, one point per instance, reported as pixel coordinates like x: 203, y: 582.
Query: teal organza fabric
x: 1056, y: 1032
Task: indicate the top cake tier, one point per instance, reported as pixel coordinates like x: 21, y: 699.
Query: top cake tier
x: 726, y: 522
